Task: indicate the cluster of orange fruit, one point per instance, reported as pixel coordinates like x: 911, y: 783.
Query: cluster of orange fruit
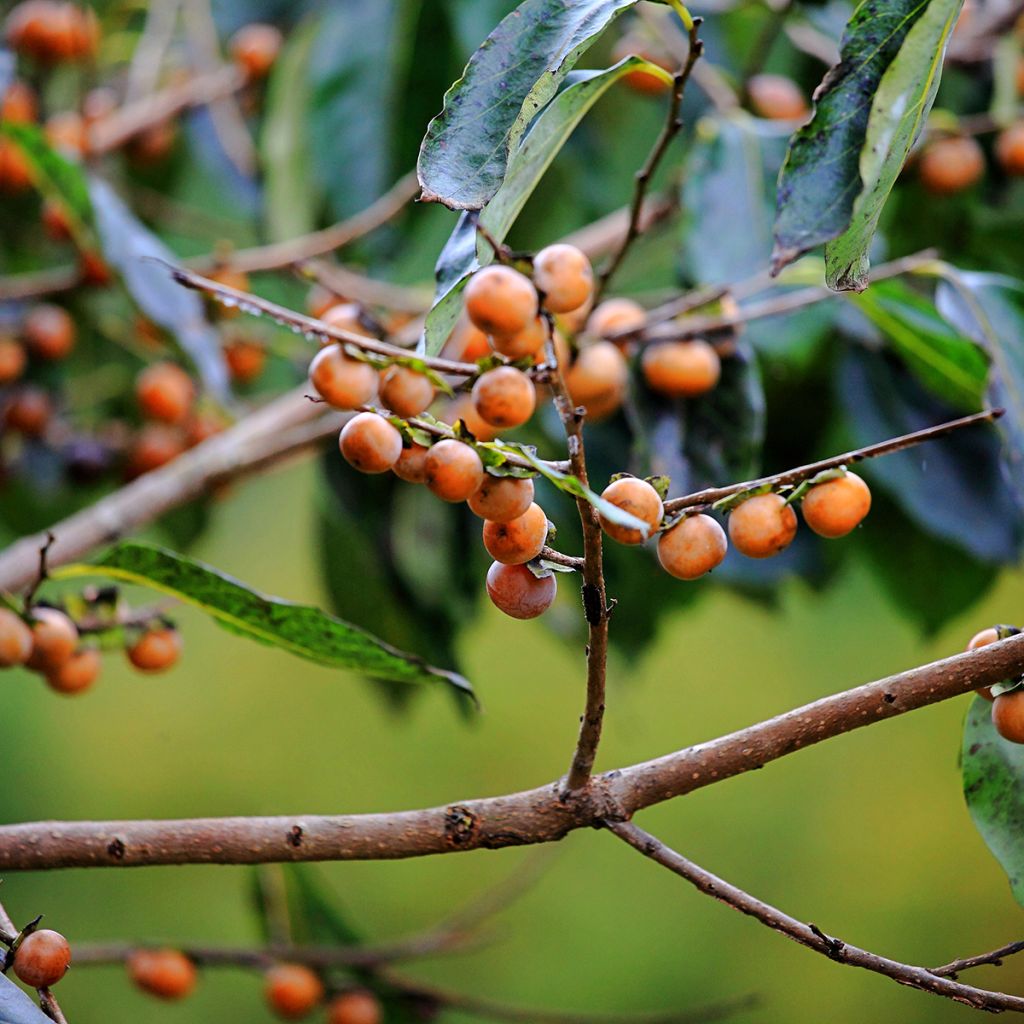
x: 1007, y: 707
x: 515, y: 316
x: 46, y: 640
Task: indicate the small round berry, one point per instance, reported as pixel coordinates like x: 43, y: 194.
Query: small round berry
x: 464, y: 409
x: 518, y: 541
x: 164, y: 973
x: 681, y: 369
x: 156, y: 650
x: 951, y: 165
x: 466, y: 342
x: 454, y: 471
x: 835, y: 507
x: 564, y: 276
x: 154, y: 446
x: 42, y: 959
x: 504, y: 397
x: 405, y: 392
x: 49, y: 332
x: 292, y: 990
x: 77, y: 674
x: 412, y: 464
x: 638, y: 498
x: 165, y: 392
x: 15, y: 172
x: 19, y: 104
x: 501, y: 499
x: 255, y: 47
x: 983, y: 639
x: 343, y: 382
x: 54, y: 639
x: 245, y: 359
x: 597, y: 380
x: 762, y: 526
x: 517, y: 592
x: 1010, y: 149
x: 347, y: 316
x: 12, y: 360
x: 1008, y: 715
x: 616, y: 316
x: 28, y: 412
x: 370, y: 443
x: 643, y: 81
x: 94, y: 270
x: 500, y: 300
x: 15, y: 639
x: 356, y: 1007
x: 529, y: 341
x: 777, y: 98
x: 693, y: 547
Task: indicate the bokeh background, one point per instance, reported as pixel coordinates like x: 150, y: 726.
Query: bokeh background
x: 867, y: 835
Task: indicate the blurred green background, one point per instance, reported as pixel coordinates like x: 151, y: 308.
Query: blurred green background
x: 866, y: 835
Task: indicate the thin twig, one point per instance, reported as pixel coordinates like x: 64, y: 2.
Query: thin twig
x: 670, y: 129
x: 42, y: 573
x: 570, y: 561
x: 148, y: 58
x: 49, y: 1005
x: 367, y: 291
x: 317, y: 243
x: 709, y: 496
x: 807, y: 934
x: 993, y: 959
x: 8, y: 929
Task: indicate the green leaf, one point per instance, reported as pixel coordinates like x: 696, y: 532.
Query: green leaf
x: 56, y: 177
x: 16, y: 1007
x: 820, y: 180
x: 300, y: 629
x: 462, y: 255
x: 898, y: 113
x: 993, y: 777
x: 290, y: 204
x: 990, y: 309
x: 315, y: 912
x: 133, y: 250
x: 511, y: 77
x: 948, y: 363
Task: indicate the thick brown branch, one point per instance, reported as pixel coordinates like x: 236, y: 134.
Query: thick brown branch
x: 800, y: 473
x: 671, y: 128
x: 534, y: 816
x: 808, y: 934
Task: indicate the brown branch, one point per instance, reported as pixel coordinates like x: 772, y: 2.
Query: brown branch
x: 992, y: 959
x: 810, y: 935
x: 368, y: 291
x: 317, y: 243
x: 35, y: 283
x: 530, y: 817
x: 673, y: 125
x: 594, y: 593
x: 570, y: 561
x: 112, y: 132
x: 710, y: 495
x: 49, y: 1005
x: 285, y: 427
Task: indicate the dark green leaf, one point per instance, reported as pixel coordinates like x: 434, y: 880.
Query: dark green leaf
x: 953, y: 488
x: 945, y: 361
x: 820, y: 179
x: 993, y: 776
x: 132, y: 249
x: 509, y: 79
x: 301, y: 629
x: 462, y: 254
x: 290, y: 204
x: 990, y: 309
x: 16, y: 1007
x: 315, y: 912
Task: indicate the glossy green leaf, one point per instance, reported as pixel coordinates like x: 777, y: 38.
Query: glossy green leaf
x: 898, y: 113
x: 462, y: 254
x: 820, y: 180
x: 302, y: 630
x: 947, y: 362
x: 990, y: 309
x: 16, y: 1007
x: 133, y: 250
x: 993, y: 778
x: 511, y: 77
x: 290, y: 204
